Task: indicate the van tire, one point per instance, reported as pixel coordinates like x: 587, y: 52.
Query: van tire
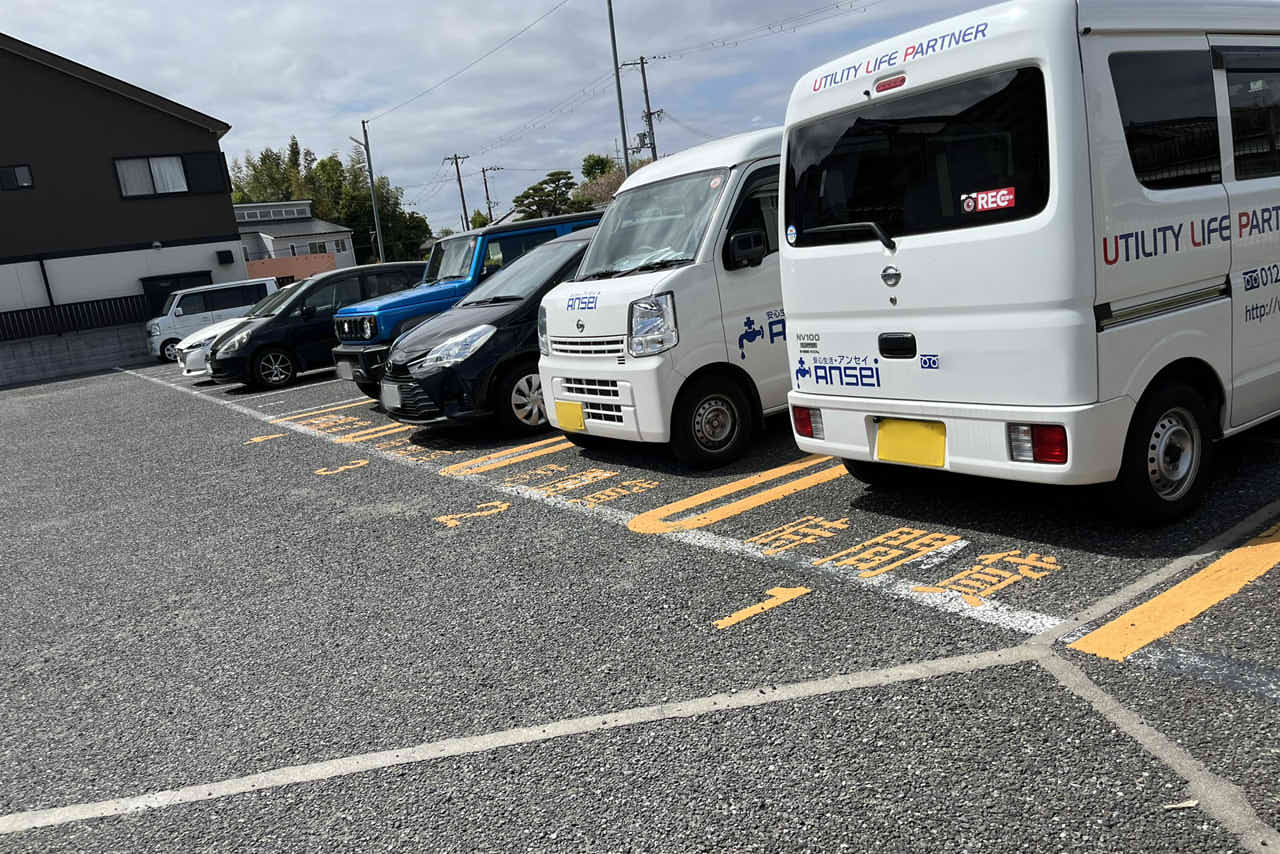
x: 169, y: 351
x: 516, y: 398
x: 373, y: 390
x: 273, y: 367
x: 712, y: 422
x: 875, y: 475
x: 1168, y: 455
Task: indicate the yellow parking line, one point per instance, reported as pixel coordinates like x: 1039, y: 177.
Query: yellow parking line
x: 1181, y: 604
x: 374, y: 433
x: 478, y: 465
x: 658, y: 521
x: 777, y: 596
x: 322, y: 411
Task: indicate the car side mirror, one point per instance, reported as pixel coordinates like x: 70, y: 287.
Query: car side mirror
x: 177, y: 312
x: 308, y: 312
x: 747, y: 249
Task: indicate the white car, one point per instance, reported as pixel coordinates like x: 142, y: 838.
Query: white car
x: 193, y: 351
x: 195, y: 308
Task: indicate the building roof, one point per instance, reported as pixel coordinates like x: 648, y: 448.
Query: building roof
x: 111, y: 84
x: 719, y: 154
x: 292, y: 228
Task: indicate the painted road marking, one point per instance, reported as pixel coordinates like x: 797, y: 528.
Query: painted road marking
x: 777, y: 596
x: 504, y: 457
x: 351, y: 466
x: 1185, y: 601
x: 365, y: 402
x: 375, y: 433
x: 259, y: 439
x: 299, y: 387
x: 658, y: 520
x: 489, y: 508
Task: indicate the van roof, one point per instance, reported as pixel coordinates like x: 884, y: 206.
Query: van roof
x: 220, y: 285
x: 1214, y: 16
x: 718, y: 154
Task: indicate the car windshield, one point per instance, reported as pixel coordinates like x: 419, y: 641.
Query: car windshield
x: 270, y: 305
x: 656, y: 225
x: 525, y: 275
x: 450, y: 259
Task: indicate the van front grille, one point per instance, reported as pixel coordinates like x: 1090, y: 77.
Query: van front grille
x: 608, y: 412
x: 591, y: 388
x: 588, y: 346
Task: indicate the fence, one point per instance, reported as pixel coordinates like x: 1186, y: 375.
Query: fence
x: 73, y: 317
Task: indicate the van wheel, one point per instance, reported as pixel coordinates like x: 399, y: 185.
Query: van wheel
x: 517, y: 399
x: 711, y: 424
x: 878, y: 475
x: 374, y: 390
x: 274, y: 368
x: 1167, y: 456
x: 169, y: 350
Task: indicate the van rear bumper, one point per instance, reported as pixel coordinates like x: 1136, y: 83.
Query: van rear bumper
x: 977, y: 435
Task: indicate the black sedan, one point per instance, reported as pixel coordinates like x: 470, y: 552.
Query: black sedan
x: 480, y: 359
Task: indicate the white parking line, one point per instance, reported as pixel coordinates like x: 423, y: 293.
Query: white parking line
x: 291, y: 389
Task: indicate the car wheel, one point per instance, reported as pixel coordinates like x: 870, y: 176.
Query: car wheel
x: 374, y: 390
x: 517, y: 399
x: 878, y: 475
x: 274, y: 368
x: 169, y: 350
x: 711, y: 424
x: 1167, y: 456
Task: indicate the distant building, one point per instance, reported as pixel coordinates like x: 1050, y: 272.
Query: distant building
x: 111, y: 197
x: 283, y: 239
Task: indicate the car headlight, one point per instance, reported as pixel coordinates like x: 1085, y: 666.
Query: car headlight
x: 459, y: 347
x: 234, y: 344
x: 369, y: 327
x: 652, y: 324
x: 544, y: 343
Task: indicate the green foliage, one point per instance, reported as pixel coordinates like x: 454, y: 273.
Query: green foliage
x: 551, y: 196
x: 596, y: 165
x: 599, y: 191
x: 339, y: 193
x: 479, y: 219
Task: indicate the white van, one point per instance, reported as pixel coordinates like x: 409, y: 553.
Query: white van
x: 673, y: 329
x: 191, y: 309
x: 1039, y: 241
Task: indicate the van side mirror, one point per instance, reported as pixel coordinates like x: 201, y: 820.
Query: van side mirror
x: 746, y: 249
x: 177, y: 312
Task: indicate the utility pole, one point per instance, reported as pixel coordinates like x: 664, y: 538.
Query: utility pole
x: 617, y: 82
x: 373, y: 186
x: 648, y: 111
x: 457, y: 159
x: 484, y: 176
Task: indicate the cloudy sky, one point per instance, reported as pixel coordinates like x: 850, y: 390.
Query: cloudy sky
x: 315, y: 69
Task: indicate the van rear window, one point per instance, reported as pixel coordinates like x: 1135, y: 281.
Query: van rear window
x: 961, y: 156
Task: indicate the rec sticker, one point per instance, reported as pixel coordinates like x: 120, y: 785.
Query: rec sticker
x: 988, y: 200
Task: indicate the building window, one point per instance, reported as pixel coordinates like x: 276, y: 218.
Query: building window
x: 317, y: 247
x: 1170, y: 117
x: 172, y: 174
x: 339, y: 245
x: 16, y: 178
x: 293, y: 250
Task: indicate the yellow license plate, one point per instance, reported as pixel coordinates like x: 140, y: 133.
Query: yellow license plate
x: 569, y: 414
x: 917, y: 443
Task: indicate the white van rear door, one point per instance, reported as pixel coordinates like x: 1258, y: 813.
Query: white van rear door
x: 755, y: 327
x: 1248, y: 80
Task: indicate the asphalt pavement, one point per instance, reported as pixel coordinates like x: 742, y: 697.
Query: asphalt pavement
x: 238, y: 620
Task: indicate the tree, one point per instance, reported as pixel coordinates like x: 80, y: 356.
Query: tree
x: 479, y: 219
x: 599, y: 191
x: 549, y: 197
x: 596, y: 165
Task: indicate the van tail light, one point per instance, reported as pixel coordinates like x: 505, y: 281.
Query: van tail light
x: 808, y: 422
x: 1038, y: 443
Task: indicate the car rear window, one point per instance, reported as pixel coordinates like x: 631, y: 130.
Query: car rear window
x: 963, y: 155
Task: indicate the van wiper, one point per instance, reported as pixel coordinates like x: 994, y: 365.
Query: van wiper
x: 600, y: 274
x: 874, y: 227
x: 658, y: 265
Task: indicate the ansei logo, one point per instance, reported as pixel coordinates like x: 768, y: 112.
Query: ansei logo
x: 988, y: 200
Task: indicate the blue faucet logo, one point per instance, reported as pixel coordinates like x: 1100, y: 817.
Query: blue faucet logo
x: 802, y: 371
x: 752, y: 333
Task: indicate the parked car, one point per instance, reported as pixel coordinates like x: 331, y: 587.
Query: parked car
x: 193, y: 351
x: 480, y: 358
x: 296, y: 334
x: 457, y: 264
x: 192, y: 309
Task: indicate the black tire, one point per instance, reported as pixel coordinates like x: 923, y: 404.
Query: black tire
x: 374, y: 390
x: 877, y: 475
x: 712, y: 422
x: 274, y: 367
x: 586, y: 441
x: 1168, y: 455
x: 516, y: 399
x: 169, y: 351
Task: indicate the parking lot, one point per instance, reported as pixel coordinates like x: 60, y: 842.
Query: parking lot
x: 245, y: 620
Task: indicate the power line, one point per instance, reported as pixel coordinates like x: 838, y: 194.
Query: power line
x: 666, y: 114
x: 782, y: 26
x: 475, y: 61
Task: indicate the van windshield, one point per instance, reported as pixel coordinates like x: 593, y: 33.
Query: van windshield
x: 168, y: 304
x: 654, y: 226
x: 450, y: 259
x: 964, y: 155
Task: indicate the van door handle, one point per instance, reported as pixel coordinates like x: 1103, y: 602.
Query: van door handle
x: 897, y: 345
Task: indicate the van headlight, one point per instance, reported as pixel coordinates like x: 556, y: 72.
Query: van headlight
x: 544, y: 343
x: 153, y: 330
x: 652, y: 324
x: 459, y: 347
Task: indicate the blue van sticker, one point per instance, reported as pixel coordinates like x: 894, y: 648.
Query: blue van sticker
x: 777, y: 330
